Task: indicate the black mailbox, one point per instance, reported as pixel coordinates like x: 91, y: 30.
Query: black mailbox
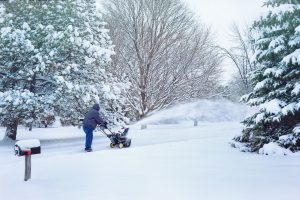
x: 27, y: 147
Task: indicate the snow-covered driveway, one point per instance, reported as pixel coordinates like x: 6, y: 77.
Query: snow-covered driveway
x: 165, y: 162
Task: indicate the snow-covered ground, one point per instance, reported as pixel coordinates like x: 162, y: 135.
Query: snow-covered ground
x: 178, y: 162
x: 171, y: 159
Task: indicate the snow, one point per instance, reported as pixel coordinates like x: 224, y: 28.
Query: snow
x: 89, y: 60
x: 27, y: 144
x: 202, y: 110
x: 283, y: 8
x: 259, y: 117
x: 51, y: 53
x: 296, y: 89
x: 272, y: 106
x: 269, y: 71
x: 5, y: 31
x: 294, y: 57
x: 273, y: 148
x: 241, y: 146
x: 171, y: 159
x: 297, y: 129
x: 2, y: 11
x: 261, y: 84
x: 56, y: 123
x: 165, y: 162
x: 286, y: 140
x: 289, y: 108
x: 277, y: 44
x: 297, y: 29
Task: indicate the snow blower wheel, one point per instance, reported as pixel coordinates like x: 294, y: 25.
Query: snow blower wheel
x: 112, y: 145
x: 121, y: 145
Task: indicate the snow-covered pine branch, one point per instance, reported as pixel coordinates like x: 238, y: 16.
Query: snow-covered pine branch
x: 53, y: 60
x: 276, y: 81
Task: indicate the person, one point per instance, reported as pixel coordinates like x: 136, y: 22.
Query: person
x: 90, y: 122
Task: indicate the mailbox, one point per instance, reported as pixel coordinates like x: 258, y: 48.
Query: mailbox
x: 27, y: 147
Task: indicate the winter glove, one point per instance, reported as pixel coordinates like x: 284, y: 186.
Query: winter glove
x: 104, y: 125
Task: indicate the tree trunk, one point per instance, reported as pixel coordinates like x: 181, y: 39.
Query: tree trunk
x: 195, y: 122
x: 11, y: 129
x: 30, y: 126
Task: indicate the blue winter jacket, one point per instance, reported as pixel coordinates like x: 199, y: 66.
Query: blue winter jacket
x: 92, y: 118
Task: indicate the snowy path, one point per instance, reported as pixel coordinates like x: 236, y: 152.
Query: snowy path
x: 165, y: 162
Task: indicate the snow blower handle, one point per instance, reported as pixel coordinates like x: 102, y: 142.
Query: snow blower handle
x: 102, y: 130
x: 104, y: 125
x: 109, y: 130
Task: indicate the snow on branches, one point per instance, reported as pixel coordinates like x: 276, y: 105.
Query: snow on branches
x: 276, y: 82
x: 55, y: 54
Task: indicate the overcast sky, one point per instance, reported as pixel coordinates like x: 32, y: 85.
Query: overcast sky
x: 220, y: 15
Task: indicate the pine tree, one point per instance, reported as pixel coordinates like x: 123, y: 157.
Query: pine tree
x: 277, y: 80
x: 53, y: 59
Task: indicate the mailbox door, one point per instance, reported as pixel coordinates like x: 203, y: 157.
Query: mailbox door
x: 36, y: 150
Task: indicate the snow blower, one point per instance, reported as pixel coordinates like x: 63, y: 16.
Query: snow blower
x: 118, y: 139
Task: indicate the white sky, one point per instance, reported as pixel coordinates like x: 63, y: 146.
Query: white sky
x: 220, y: 15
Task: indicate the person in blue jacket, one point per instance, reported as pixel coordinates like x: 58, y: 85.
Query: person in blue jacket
x: 90, y: 122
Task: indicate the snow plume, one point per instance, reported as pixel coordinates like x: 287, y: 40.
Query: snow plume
x: 203, y: 111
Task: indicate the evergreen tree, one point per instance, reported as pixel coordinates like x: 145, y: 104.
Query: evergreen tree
x: 277, y: 80
x: 53, y: 59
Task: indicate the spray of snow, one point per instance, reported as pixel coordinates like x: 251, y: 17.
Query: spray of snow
x: 201, y: 111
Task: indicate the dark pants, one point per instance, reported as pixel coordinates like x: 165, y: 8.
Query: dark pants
x: 88, y: 137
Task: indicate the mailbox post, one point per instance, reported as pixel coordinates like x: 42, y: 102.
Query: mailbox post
x: 27, y: 167
x: 27, y: 148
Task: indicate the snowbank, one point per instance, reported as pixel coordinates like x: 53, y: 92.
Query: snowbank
x: 203, y: 111
x: 273, y: 148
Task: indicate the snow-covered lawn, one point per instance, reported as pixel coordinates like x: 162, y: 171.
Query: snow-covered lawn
x: 178, y: 162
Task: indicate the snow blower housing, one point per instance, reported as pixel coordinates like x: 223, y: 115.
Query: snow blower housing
x: 118, y: 139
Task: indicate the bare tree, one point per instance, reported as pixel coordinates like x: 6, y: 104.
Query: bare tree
x: 240, y: 54
x: 162, y: 51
